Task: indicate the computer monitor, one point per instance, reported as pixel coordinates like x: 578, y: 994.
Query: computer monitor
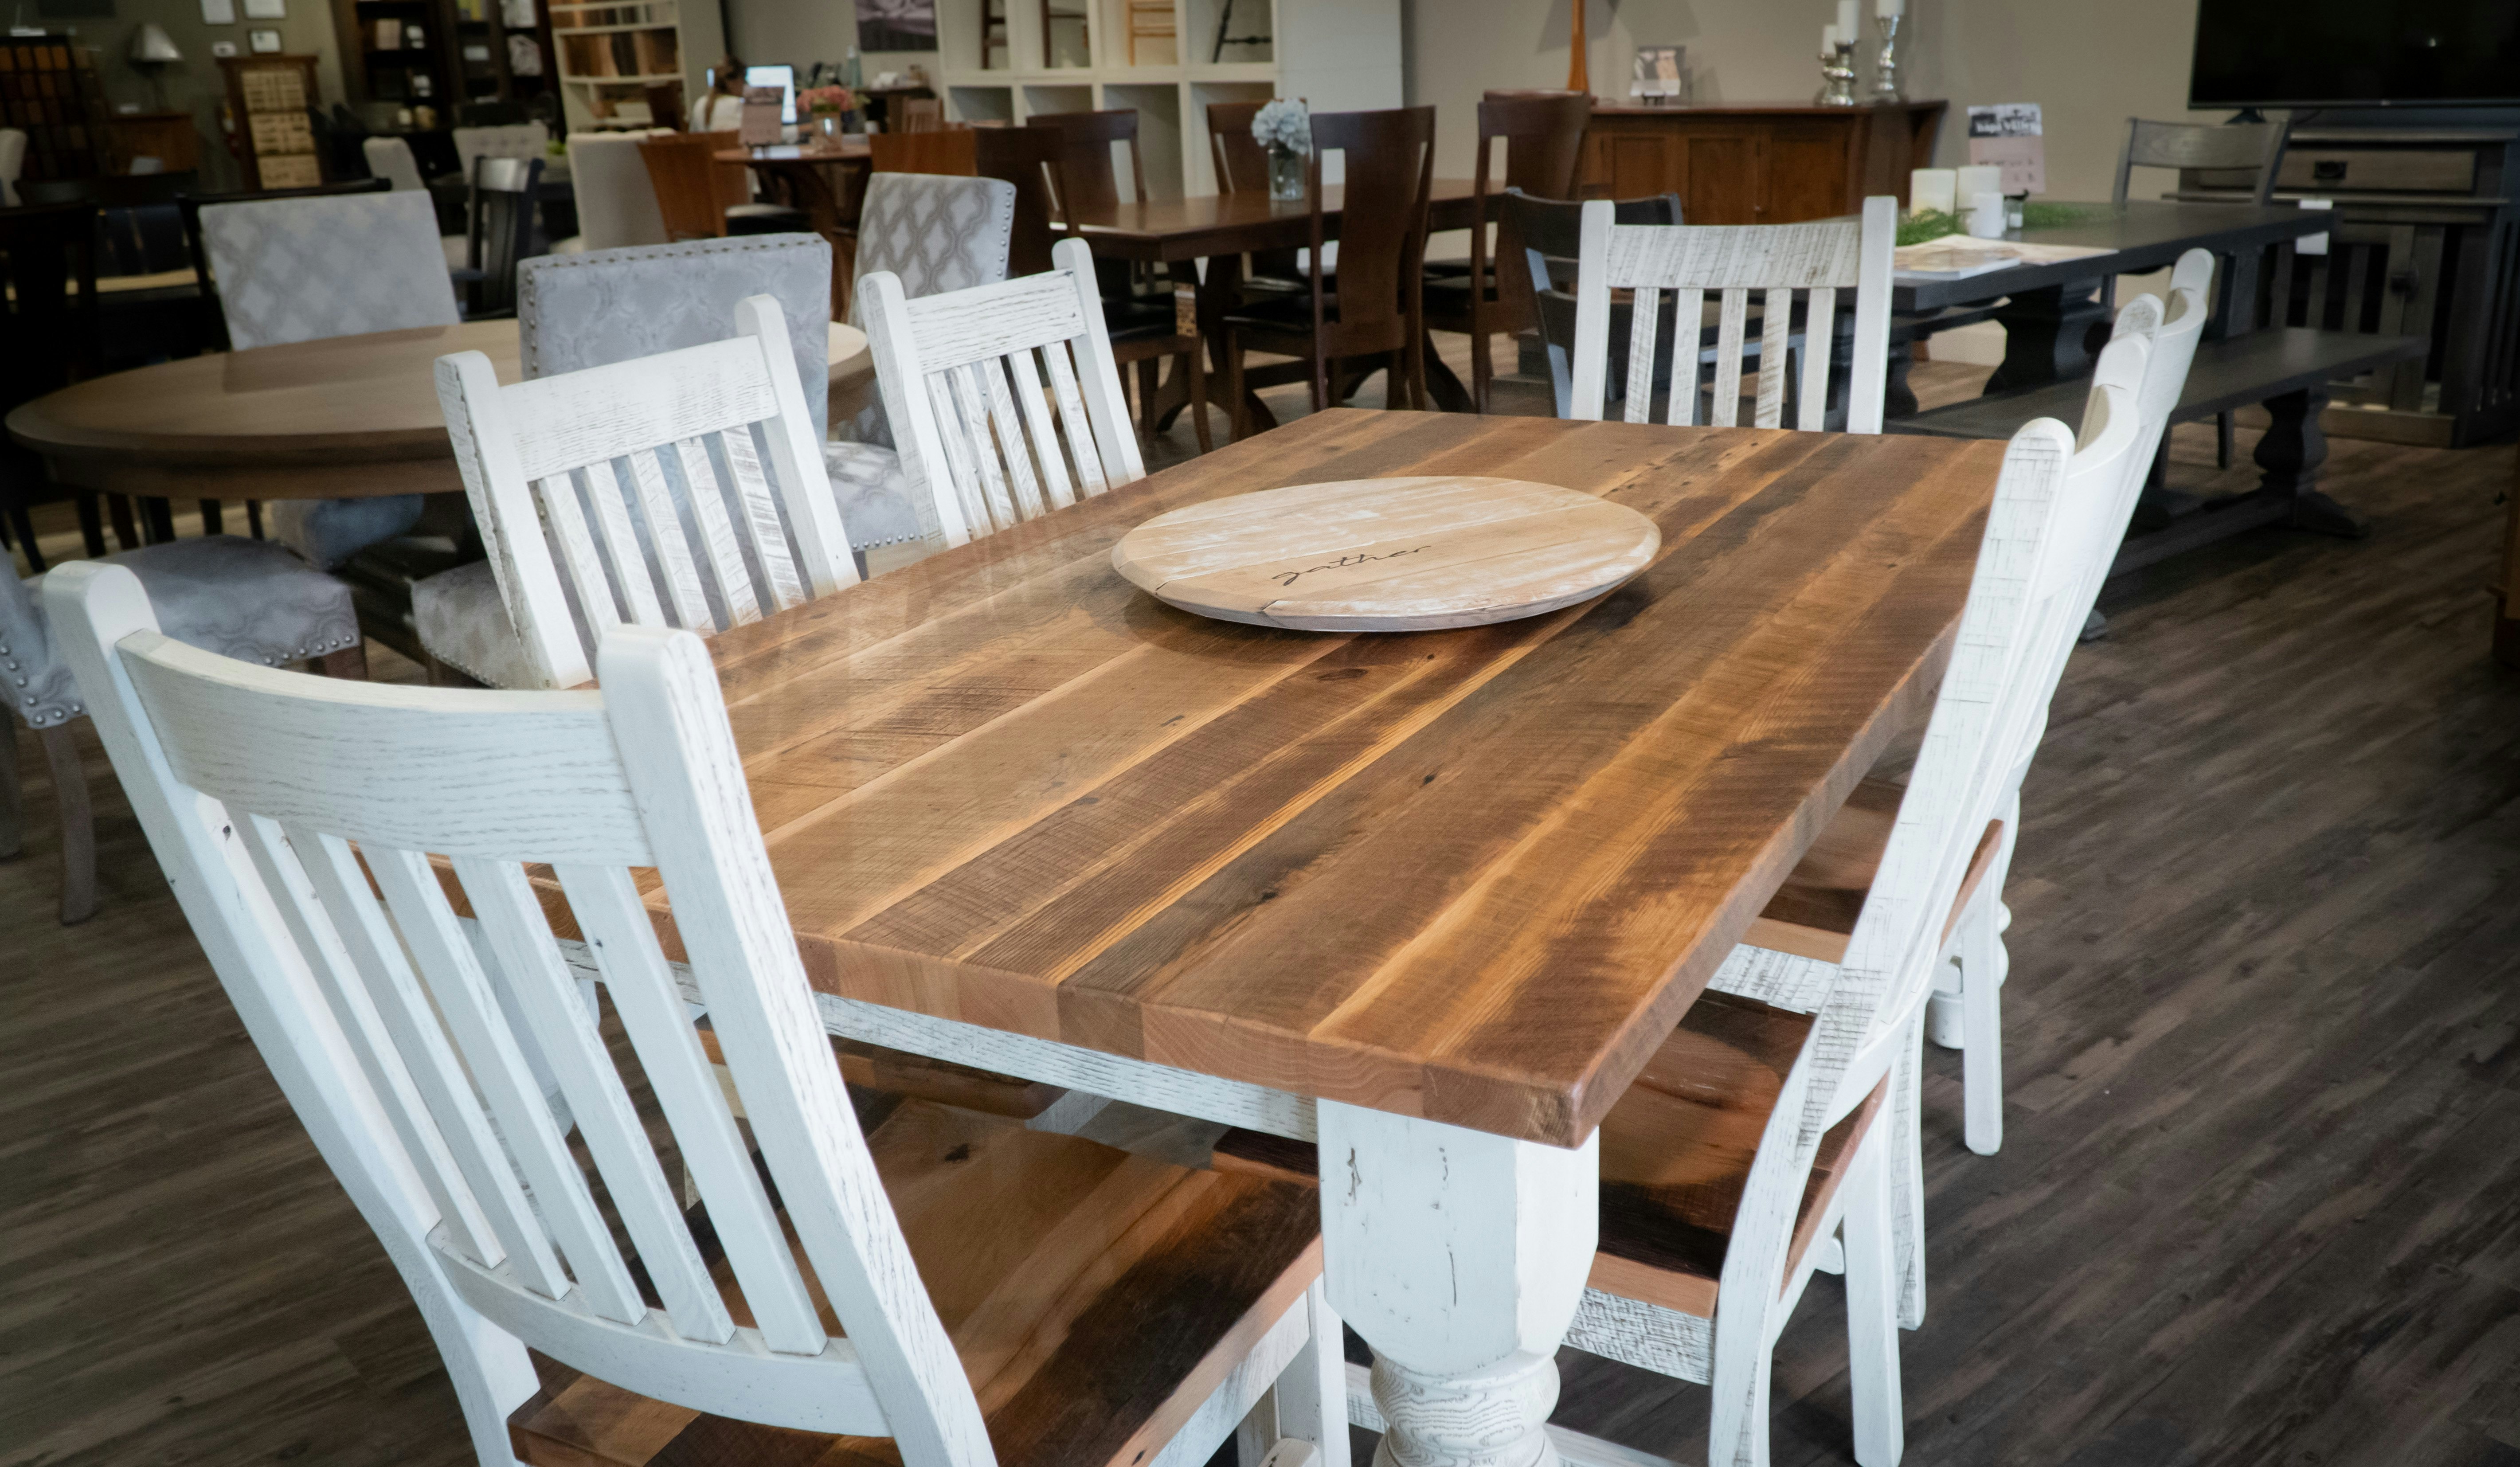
x: 782, y: 77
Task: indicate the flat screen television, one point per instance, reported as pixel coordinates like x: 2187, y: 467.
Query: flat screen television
x: 2356, y: 53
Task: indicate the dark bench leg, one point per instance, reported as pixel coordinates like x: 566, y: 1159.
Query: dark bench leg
x: 1898, y: 399
x: 2290, y: 455
x: 2049, y: 336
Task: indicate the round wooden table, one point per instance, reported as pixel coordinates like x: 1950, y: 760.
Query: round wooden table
x: 337, y: 419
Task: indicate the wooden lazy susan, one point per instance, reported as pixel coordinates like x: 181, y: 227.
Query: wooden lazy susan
x: 1402, y: 554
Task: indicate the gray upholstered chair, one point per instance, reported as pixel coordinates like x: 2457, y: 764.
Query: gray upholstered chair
x: 937, y: 234
x: 576, y: 311
x: 616, y: 201
x: 238, y: 597
x: 304, y: 269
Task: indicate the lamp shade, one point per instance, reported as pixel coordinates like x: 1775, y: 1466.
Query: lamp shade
x: 152, y: 44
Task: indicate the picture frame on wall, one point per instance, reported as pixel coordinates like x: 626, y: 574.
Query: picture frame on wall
x: 267, y: 10
x: 1660, y: 78
x: 219, y: 12
x: 896, y: 25
x: 263, y: 43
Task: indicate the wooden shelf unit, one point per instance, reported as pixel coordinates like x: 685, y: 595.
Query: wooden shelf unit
x: 49, y: 90
x: 610, y: 52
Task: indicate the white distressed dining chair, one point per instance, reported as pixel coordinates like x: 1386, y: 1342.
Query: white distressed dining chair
x: 1004, y: 399
x: 1770, y: 1118
x: 1819, y: 260
x: 1966, y: 1014
x: 943, y: 1281
x: 573, y: 482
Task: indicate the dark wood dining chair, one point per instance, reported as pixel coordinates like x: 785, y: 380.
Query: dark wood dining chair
x: 48, y: 263
x: 1144, y: 326
x: 1547, y: 234
x: 1376, y: 316
x: 953, y: 153
x: 501, y: 231
x: 1034, y: 161
x: 1543, y: 133
x: 694, y: 189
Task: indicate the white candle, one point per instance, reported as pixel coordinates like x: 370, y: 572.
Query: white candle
x: 1935, y: 189
x: 1889, y: 9
x: 1980, y: 178
x: 1827, y: 40
x: 1849, y: 29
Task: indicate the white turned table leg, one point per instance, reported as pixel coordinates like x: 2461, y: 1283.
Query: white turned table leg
x: 1459, y: 1256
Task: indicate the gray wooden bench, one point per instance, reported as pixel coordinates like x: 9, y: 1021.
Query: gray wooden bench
x: 2288, y: 369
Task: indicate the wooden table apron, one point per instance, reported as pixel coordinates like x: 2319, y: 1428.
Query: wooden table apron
x: 346, y: 417
x: 1450, y: 888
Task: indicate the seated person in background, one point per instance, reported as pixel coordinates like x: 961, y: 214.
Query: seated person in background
x: 721, y: 108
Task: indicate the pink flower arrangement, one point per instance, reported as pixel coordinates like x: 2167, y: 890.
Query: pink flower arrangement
x: 827, y: 99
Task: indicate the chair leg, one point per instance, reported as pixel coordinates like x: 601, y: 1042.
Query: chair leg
x: 13, y: 795
x: 212, y: 522
x: 253, y: 517
x: 1871, y: 1323
x: 349, y: 663
x: 1482, y: 367
x: 78, y: 824
x: 2221, y: 440
x: 1312, y: 1392
x: 91, y: 518
x: 1198, y: 394
x: 23, y: 525
x: 1147, y: 368
x: 1240, y: 423
x: 1982, y: 1037
x: 1904, y: 1164
x: 126, y: 529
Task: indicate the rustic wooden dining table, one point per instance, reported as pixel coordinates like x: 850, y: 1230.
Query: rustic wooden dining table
x: 1427, y: 899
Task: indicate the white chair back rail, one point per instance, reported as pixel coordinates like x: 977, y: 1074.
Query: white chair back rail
x: 2033, y: 555
x: 564, y: 471
x: 1734, y: 260
x: 970, y: 382
x: 405, y: 1056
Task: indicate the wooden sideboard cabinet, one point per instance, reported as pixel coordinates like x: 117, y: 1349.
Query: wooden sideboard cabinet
x: 1754, y: 164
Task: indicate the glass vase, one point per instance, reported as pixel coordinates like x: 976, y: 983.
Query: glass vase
x: 828, y: 125
x: 1286, y: 174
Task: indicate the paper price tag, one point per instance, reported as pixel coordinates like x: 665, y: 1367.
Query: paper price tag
x: 2313, y: 243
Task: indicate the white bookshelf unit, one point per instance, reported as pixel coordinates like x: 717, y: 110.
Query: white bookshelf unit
x: 611, y: 51
x: 1338, y: 54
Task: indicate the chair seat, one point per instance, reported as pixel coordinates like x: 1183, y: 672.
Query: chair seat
x: 1096, y: 1298
x: 1814, y: 912
x: 1675, y: 1153
x: 462, y: 622
x: 251, y: 600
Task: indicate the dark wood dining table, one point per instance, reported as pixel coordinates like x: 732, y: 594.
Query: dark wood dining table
x: 1221, y: 229
x: 1427, y: 899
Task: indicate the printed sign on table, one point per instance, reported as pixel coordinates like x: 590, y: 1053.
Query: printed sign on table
x: 2007, y: 136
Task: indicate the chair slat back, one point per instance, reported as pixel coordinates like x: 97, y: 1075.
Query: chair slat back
x: 502, y: 228
x: 319, y: 834
x: 1089, y: 139
x: 572, y: 478
x: 1242, y: 164
x: 2233, y: 150
x: 955, y: 153
x: 1736, y: 261
x: 1389, y: 158
x: 1004, y: 400
x: 1035, y: 160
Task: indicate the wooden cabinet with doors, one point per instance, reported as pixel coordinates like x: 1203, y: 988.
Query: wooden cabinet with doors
x: 1756, y: 164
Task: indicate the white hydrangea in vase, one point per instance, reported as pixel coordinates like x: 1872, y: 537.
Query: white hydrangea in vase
x: 1286, y: 129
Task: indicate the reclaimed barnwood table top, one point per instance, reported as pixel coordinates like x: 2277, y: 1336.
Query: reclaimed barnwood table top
x: 1208, y: 224
x: 1472, y: 875
x: 341, y: 417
